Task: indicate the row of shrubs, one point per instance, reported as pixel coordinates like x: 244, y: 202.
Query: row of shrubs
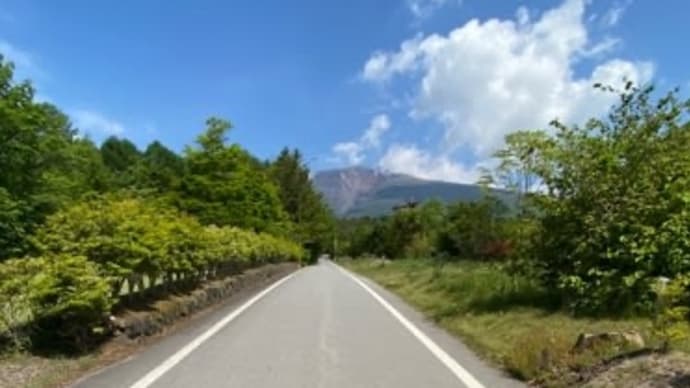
x: 87, y: 257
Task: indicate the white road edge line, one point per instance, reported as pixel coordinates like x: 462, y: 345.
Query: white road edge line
x: 173, y: 360
x: 461, y: 373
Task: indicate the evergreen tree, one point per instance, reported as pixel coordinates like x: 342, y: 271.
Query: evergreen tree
x: 122, y: 158
x: 303, y: 203
x: 159, y: 169
x: 224, y: 185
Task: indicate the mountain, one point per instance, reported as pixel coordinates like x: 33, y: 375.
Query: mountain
x: 359, y: 191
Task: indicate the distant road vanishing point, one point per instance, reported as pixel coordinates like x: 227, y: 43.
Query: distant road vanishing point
x: 320, y: 327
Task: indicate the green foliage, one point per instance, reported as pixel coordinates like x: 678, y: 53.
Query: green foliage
x: 519, y: 162
x: 122, y: 158
x: 12, y: 225
x: 603, y: 209
x: 120, y: 236
x: 160, y: 169
x: 79, y: 171
x: 44, y: 165
x: 224, y: 185
x: 468, y: 230
x: 613, y: 212
x: 59, y: 297
x: 127, y: 237
x: 475, y: 230
x: 101, y: 218
x: 16, y: 309
x: 91, y: 249
x: 354, y: 237
x: 304, y: 205
x: 672, y: 319
x: 69, y: 298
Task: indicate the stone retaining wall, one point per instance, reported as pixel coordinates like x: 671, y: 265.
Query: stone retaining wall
x: 165, y: 312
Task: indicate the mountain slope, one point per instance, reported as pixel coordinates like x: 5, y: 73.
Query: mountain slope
x: 358, y: 192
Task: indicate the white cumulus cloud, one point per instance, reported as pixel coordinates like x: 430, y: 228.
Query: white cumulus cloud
x: 349, y: 152
x: 408, y: 159
x: 352, y: 152
x: 377, y: 127
x: 88, y: 121
x: 485, y: 79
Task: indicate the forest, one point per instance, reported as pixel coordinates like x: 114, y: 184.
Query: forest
x: 84, y: 226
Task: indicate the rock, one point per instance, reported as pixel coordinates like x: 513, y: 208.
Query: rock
x: 587, y: 341
x: 651, y: 371
x: 634, y: 339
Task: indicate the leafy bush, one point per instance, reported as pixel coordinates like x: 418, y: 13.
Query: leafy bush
x: 614, y: 210
x: 121, y: 236
x: 16, y: 309
x: 53, y: 297
x: 129, y: 237
x: 70, y: 300
x: 91, y: 249
x: 476, y: 230
x: 672, y: 321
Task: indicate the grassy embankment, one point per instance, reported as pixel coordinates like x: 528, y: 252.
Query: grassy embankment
x: 510, y: 320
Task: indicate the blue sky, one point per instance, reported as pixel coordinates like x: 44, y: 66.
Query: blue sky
x: 427, y: 87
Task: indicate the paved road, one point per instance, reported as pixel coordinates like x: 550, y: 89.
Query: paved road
x: 319, y: 328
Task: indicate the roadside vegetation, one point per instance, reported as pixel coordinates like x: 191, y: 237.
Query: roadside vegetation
x: 597, y: 239
x: 88, y: 229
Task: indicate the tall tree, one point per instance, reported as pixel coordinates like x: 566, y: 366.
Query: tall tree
x: 119, y: 155
x: 159, y: 169
x: 224, y: 185
x: 123, y: 159
x: 303, y: 203
x: 42, y: 163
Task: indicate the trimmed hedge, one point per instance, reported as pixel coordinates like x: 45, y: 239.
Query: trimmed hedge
x: 56, y: 297
x: 129, y: 237
x: 88, y: 252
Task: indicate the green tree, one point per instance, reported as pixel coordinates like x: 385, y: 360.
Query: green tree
x: 411, y: 231
x: 123, y: 159
x: 159, y: 169
x: 615, y: 212
x: 475, y: 230
x: 302, y: 202
x: 224, y: 185
x: 119, y: 155
x: 13, y: 226
x: 520, y: 162
x: 80, y: 170
x: 44, y: 164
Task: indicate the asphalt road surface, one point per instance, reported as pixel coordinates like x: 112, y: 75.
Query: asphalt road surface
x: 321, y: 327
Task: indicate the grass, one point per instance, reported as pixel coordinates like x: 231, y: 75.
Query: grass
x: 509, y: 320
